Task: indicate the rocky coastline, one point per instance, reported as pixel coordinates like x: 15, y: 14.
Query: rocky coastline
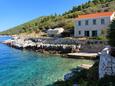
x: 57, y: 46
x: 40, y: 46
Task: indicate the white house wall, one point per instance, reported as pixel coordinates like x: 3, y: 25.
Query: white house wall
x: 112, y: 17
x: 90, y: 27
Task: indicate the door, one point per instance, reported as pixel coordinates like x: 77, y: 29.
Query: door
x: 87, y: 33
x: 94, y: 33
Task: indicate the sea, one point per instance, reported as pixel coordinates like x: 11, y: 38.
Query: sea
x: 29, y: 68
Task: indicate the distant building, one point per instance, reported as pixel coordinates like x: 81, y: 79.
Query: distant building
x: 55, y: 32
x: 91, y: 25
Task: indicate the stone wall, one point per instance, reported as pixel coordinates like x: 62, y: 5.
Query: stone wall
x: 106, y: 64
x: 91, y: 46
x: 58, y: 40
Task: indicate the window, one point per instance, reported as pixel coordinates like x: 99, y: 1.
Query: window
x: 86, y: 22
x: 94, y: 33
x: 102, y: 21
x: 79, y: 23
x: 79, y: 32
x: 94, y: 21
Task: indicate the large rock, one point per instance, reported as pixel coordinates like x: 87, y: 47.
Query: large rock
x: 107, y: 63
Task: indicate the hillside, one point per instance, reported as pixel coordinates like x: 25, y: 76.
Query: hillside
x: 64, y: 20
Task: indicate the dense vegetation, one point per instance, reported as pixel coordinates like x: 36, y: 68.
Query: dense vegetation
x: 111, y: 34
x: 64, y: 20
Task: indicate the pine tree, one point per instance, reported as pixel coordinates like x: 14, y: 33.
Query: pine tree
x: 111, y: 34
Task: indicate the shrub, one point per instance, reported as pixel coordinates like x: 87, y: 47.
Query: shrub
x: 107, y: 81
x: 111, y: 34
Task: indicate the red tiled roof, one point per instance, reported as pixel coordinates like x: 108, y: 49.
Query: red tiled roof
x: 95, y: 15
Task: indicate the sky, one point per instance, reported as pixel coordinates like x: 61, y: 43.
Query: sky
x: 16, y: 12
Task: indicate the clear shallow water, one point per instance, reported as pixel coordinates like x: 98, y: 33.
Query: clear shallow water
x: 27, y: 68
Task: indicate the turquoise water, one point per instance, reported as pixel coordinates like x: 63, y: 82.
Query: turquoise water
x: 27, y: 68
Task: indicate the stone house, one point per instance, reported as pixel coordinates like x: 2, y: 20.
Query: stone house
x: 91, y: 25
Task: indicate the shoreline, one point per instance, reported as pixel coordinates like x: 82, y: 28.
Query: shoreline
x: 46, y: 48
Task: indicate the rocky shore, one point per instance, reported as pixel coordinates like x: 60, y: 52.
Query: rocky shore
x: 41, y: 45
x: 58, y: 46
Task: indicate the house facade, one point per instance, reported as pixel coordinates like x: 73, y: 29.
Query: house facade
x: 91, y: 25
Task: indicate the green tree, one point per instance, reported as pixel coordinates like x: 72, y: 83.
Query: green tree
x: 111, y: 34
